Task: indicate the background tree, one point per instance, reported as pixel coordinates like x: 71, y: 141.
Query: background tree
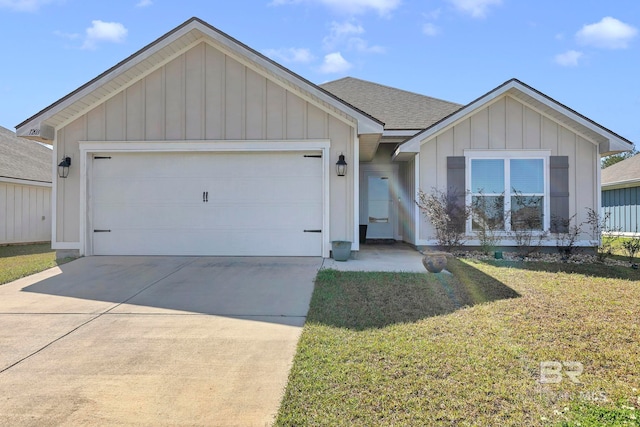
x: 615, y: 158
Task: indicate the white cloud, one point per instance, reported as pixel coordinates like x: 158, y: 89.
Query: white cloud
x: 339, y: 32
x: 291, y: 54
x: 334, y: 63
x: 23, y: 5
x: 382, y: 7
x: 360, y: 45
x: 104, y: 31
x: 69, y: 36
x: 343, y: 34
x: 609, y: 33
x: 475, y: 8
x: 430, y: 29
x: 569, y: 59
x: 144, y: 3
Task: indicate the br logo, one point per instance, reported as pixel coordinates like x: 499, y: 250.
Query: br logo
x: 551, y: 372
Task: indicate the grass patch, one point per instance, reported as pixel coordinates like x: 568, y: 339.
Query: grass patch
x: 23, y: 260
x: 421, y: 349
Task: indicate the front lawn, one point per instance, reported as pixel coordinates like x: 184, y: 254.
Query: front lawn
x: 22, y: 260
x: 423, y: 349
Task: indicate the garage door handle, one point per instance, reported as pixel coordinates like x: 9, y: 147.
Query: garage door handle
x: 205, y: 197
x: 102, y: 231
x: 313, y: 231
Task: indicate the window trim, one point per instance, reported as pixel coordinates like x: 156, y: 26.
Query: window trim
x: 507, y: 156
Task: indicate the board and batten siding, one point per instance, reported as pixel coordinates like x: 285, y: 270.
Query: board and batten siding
x: 25, y: 213
x: 622, y: 205
x: 204, y: 94
x: 508, y: 124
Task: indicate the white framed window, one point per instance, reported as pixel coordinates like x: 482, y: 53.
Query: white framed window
x: 509, y: 190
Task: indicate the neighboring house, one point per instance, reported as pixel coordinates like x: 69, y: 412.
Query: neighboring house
x: 621, y: 195
x: 25, y: 190
x: 199, y: 145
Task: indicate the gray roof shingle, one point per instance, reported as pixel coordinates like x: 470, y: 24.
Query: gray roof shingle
x: 397, y: 108
x: 21, y: 158
x: 626, y: 170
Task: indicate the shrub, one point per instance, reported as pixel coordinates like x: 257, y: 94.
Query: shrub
x: 602, y: 236
x: 567, y: 235
x: 486, y: 225
x: 527, y: 224
x: 631, y: 247
x: 447, y: 215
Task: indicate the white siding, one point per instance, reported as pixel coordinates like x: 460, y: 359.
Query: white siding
x: 509, y: 124
x: 25, y: 213
x: 204, y: 94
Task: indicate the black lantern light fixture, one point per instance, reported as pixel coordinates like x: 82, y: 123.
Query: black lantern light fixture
x: 341, y: 165
x: 63, y: 167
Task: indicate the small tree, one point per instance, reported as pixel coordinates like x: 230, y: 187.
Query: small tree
x: 602, y: 238
x: 447, y: 215
x: 567, y: 233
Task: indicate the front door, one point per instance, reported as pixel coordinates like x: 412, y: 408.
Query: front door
x: 380, y: 209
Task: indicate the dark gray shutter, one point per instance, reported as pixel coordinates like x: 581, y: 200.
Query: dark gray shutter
x: 455, y: 182
x: 559, y: 186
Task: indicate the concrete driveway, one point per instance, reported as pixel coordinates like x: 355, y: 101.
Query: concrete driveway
x: 152, y: 340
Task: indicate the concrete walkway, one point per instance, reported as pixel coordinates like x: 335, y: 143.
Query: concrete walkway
x: 381, y: 257
x: 152, y: 341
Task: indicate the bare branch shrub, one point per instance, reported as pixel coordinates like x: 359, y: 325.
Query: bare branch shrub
x: 602, y: 238
x: 487, y: 215
x: 568, y: 231
x: 527, y: 223
x: 447, y: 215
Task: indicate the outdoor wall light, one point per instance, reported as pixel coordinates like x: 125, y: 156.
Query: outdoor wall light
x: 63, y: 167
x: 341, y: 166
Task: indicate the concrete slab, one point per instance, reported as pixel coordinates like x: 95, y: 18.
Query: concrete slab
x: 232, y: 286
x: 114, y: 340
x: 383, y: 257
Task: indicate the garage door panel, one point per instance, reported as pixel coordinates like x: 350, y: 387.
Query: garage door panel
x: 131, y: 216
x: 258, y: 204
x: 219, y: 242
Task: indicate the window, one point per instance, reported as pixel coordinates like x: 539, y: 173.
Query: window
x: 508, y: 194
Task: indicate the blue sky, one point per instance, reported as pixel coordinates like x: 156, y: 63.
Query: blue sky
x: 583, y: 53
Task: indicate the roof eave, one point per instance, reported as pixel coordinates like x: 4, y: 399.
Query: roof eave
x: 613, y: 142
x: 34, y: 127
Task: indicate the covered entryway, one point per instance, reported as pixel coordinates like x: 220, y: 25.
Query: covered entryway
x: 206, y: 203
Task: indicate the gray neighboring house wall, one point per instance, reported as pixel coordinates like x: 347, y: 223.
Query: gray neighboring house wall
x: 25, y: 190
x: 621, y: 195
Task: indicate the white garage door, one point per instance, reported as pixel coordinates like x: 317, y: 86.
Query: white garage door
x: 266, y: 204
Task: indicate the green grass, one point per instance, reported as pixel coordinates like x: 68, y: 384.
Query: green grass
x: 22, y: 260
x: 421, y: 349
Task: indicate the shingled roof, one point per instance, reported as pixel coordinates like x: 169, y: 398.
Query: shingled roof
x: 23, y: 159
x: 624, y: 172
x: 397, y: 108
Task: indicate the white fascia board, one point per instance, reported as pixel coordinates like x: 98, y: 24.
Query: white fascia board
x: 25, y: 182
x: 413, y: 144
x: 366, y: 124
x: 615, y: 142
x: 621, y: 184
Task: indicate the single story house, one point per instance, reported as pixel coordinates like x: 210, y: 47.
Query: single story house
x: 199, y: 145
x: 621, y: 196
x: 25, y: 190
